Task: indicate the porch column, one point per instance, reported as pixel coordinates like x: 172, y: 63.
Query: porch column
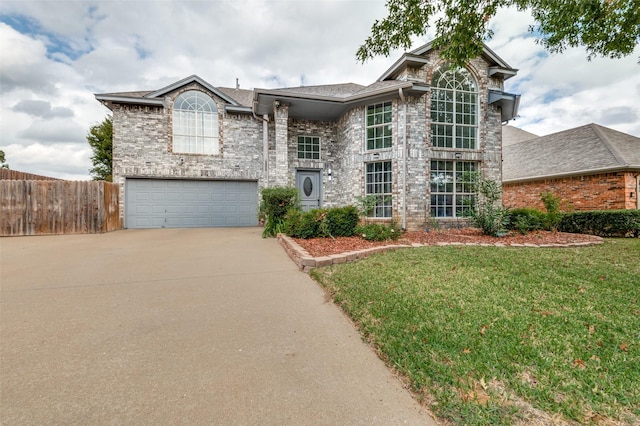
x: 281, y: 172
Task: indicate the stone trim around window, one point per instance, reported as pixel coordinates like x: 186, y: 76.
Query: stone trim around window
x: 451, y: 189
x: 454, y: 109
x: 379, y: 123
x: 308, y: 148
x: 379, y: 183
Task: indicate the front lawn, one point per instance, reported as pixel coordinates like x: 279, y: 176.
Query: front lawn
x: 492, y: 335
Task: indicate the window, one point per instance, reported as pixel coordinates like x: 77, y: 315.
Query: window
x: 309, y: 147
x: 451, y: 189
x: 195, y: 124
x: 454, y: 109
x: 379, y: 133
x: 378, y: 181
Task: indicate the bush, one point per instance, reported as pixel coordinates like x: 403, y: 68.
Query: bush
x: 487, y: 214
x: 276, y: 203
x: 342, y: 221
x: 604, y: 223
x: 552, y: 205
x: 309, y: 224
x: 335, y: 222
x: 378, y: 232
x: 526, y: 220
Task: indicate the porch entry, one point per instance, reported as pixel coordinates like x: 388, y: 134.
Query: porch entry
x: 308, y: 184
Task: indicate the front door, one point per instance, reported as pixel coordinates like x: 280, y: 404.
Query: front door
x: 308, y: 184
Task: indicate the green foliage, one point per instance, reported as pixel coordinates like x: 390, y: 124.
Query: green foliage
x: 318, y: 223
x: 100, y: 138
x: 378, y: 232
x: 554, y: 215
x: 605, y: 223
x: 276, y: 202
x: 525, y: 220
x: 342, y: 221
x: 310, y: 224
x: 488, y: 214
x: 476, y: 326
x: 3, y: 164
x: 604, y: 28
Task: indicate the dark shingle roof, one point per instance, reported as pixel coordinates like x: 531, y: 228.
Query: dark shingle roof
x: 338, y: 90
x: 586, y: 149
x: 243, y: 96
x: 511, y: 135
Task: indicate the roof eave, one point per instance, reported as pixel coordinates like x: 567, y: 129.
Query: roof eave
x: 335, y: 106
x: 508, y: 103
x: 106, y: 99
x: 631, y: 168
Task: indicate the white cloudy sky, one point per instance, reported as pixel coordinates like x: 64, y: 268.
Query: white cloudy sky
x: 56, y: 54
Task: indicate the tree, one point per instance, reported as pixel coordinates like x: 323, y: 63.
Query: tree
x: 609, y: 28
x: 3, y: 165
x: 100, y: 139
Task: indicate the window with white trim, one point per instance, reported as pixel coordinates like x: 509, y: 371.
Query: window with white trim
x: 454, y: 109
x: 379, y: 184
x: 195, y: 124
x: 379, y: 128
x: 451, y: 188
x: 309, y: 147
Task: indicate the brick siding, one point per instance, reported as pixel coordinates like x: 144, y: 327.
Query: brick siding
x: 587, y: 192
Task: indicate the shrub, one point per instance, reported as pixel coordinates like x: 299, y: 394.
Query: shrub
x: 378, y: 232
x: 604, y: 223
x: 526, y: 220
x: 276, y: 202
x: 552, y: 205
x: 342, y: 221
x: 309, y: 224
x: 487, y: 214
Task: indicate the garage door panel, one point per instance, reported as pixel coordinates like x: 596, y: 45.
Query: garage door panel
x: 157, y: 203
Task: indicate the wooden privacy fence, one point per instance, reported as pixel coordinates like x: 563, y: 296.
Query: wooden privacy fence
x: 45, y: 207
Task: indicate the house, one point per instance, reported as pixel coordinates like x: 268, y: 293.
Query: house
x: 195, y: 155
x: 589, y: 167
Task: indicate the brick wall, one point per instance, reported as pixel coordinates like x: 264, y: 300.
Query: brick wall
x: 587, y: 192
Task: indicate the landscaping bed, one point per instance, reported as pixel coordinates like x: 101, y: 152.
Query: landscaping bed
x: 317, y: 247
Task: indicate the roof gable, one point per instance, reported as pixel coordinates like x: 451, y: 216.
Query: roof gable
x: 586, y: 149
x: 497, y: 66
x: 188, y: 80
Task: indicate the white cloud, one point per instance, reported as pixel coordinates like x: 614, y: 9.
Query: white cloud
x: 56, y: 54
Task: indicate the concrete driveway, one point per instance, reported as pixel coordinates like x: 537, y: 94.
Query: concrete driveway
x: 179, y: 326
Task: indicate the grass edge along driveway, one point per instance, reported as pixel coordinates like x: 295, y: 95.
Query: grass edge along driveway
x: 491, y: 335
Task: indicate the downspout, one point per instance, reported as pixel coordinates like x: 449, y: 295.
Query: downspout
x: 265, y: 143
x: 404, y: 161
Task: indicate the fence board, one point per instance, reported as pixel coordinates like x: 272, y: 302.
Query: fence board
x: 45, y: 207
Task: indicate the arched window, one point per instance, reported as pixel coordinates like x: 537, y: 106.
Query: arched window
x: 454, y: 109
x: 195, y: 124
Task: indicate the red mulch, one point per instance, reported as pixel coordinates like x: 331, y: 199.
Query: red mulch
x: 325, y: 246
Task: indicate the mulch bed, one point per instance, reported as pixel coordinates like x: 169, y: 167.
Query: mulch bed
x: 317, y: 247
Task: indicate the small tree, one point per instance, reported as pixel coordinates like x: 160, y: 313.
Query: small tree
x: 552, y: 205
x: 488, y: 213
x: 100, y: 139
x: 3, y: 165
x: 276, y: 203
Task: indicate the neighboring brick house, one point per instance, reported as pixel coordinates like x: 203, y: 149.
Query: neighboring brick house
x: 589, y: 167
x: 192, y: 154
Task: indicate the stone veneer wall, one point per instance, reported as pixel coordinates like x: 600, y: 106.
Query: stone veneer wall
x: 607, y: 191
x: 142, y: 146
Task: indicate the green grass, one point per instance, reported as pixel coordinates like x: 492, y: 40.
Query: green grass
x: 504, y: 335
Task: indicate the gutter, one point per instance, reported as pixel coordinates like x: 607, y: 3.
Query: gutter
x: 573, y: 174
x: 265, y: 142
x: 404, y: 161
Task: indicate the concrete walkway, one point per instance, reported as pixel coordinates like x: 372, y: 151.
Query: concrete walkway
x: 177, y: 326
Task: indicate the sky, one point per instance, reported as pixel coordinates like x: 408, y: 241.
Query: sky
x: 56, y: 55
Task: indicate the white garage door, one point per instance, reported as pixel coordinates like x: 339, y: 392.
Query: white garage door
x: 169, y: 203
